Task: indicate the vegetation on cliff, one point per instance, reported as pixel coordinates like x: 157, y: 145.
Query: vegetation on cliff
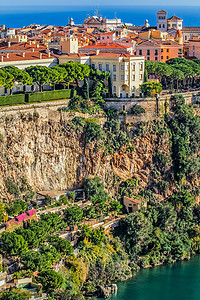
x: 166, y: 231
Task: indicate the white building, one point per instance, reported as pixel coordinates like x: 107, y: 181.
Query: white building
x: 171, y: 24
x: 127, y: 71
x: 101, y: 23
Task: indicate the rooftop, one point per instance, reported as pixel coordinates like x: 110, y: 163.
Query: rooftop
x: 174, y: 18
x: 51, y: 194
x: 133, y: 200
x: 105, y: 46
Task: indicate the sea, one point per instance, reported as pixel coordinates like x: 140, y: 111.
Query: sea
x: 179, y: 281
x: 20, y: 16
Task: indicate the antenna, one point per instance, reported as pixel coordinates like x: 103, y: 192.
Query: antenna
x: 96, y: 11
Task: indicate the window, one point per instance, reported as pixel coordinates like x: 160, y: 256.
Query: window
x: 114, y: 77
x: 179, y: 51
x: 107, y: 67
x: 107, y: 37
x: 167, y: 57
x: 141, y: 66
x: 133, y: 77
x: 93, y: 66
x: 100, y: 67
x: 161, y: 50
x: 133, y: 67
x: 114, y: 68
x: 126, y: 77
x: 122, y: 67
x: 156, y: 58
x: 122, y: 77
x: 148, y: 58
x: 159, y: 25
x: 156, y: 52
x: 148, y: 52
x: 114, y: 89
x: 140, y: 52
x: 186, y: 38
x: 161, y: 56
x: 140, y: 76
x: 167, y: 50
x: 163, y: 26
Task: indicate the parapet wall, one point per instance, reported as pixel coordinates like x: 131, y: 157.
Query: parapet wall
x: 153, y: 107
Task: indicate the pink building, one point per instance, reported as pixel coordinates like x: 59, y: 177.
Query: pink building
x: 106, y: 37
x: 194, y: 47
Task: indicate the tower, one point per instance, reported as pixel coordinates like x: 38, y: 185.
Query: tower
x: 162, y: 20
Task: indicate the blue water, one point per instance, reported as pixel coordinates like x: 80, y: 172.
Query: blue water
x: 179, y: 281
x: 58, y: 15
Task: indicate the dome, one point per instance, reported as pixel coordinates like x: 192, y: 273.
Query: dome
x: 179, y: 34
x: 146, y: 24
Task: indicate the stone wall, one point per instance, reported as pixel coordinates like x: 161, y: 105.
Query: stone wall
x: 153, y: 107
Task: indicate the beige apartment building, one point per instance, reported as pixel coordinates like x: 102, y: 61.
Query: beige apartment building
x: 65, y: 44
x: 127, y: 71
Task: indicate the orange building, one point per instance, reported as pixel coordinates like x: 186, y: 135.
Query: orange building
x: 159, y: 50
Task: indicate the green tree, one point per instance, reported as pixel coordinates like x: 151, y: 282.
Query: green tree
x: 19, y: 76
x: 39, y: 75
x: 50, y: 280
x: 13, y: 244
x: 73, y: 215
x: 95, y: 191
x: 13, y: 295
x: 149, y: 87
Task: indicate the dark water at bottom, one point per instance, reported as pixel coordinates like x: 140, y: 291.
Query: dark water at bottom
x: 179, y: 281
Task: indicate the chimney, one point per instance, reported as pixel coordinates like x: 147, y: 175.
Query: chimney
x: 30, y: 43
x: 49, y: 54
x: 97, y: 52
x: 40, y: 55
x: 23, y: 54
x: 9, y: 44
x: 2, y: 58
x: 7, y: 55
x: 38, y: 46
x: 32, y: 49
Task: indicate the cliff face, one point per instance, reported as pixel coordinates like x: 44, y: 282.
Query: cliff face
x: 52, y: 154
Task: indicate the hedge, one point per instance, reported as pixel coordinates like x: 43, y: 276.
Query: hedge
x: 49, y: 95
x: 36, y: 97
x: 12, y: 99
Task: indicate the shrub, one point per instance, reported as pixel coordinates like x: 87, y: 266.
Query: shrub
x: 137, y: 110
x: 49, y: 95
x: 93, y: 131
x: 12, y: 99
x: 12, y: 188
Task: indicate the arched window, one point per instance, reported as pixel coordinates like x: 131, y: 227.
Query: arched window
x: 114, y: 89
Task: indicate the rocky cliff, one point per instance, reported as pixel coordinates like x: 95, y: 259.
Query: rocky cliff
x: 41, y: 145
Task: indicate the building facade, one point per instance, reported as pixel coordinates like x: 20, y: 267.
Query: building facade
x: 194, y: 48
x: 159, y: 50
x: 162, y: 20
x: 127, y: 71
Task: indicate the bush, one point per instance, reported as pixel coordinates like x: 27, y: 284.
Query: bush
x: 49, y: 95
x: 137, y: 110
x: 12, y: 188
x: 93, y: 131
x: 12, y: 99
